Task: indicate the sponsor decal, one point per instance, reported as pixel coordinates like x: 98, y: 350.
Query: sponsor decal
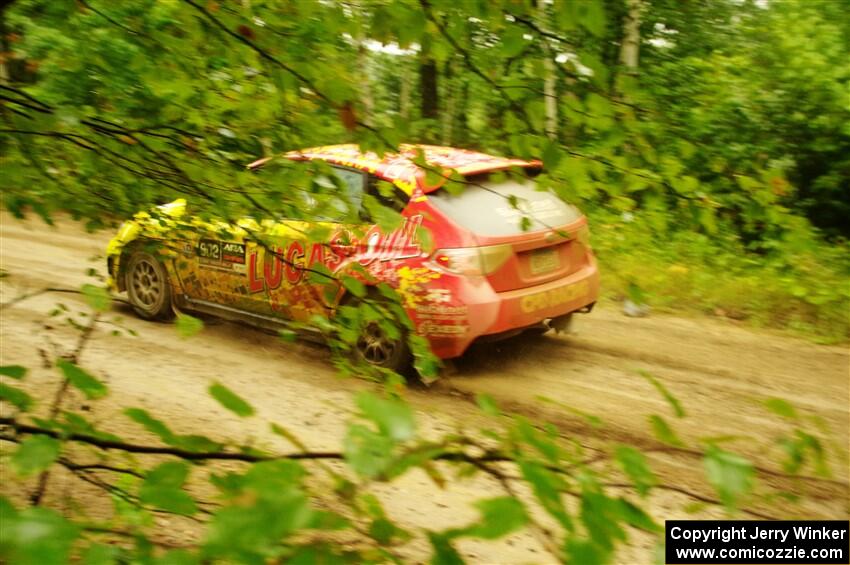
x: 209, y: 250
x: 223, y: 255
x: 400, y: 168
x: 441, y: 311
x: 554, y: 297
x: 429, y: 328
x: 267, y: 271
x: 232, y: 252
x: 437, y: 315
x: 439, y: 296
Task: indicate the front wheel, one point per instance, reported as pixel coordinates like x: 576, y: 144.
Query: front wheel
x: 148, y: 288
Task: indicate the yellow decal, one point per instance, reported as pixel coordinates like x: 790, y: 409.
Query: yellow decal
x: 412, y: 282
x: 554, y: 297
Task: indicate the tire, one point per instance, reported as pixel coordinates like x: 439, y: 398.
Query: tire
x: 377, y: 348
x: 148, y: 288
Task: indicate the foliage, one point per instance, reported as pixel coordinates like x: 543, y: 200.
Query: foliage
x: 711, y: 173
x: 799, y: 284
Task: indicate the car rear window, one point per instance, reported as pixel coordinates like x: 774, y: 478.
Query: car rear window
x: 496, y: 205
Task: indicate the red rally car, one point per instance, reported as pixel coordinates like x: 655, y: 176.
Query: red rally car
x: 503, y: 256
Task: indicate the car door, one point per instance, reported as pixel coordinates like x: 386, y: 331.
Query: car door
x: 278, y: 275
x: 212, y: 263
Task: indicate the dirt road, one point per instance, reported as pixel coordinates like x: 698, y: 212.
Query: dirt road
x: 721, y: 373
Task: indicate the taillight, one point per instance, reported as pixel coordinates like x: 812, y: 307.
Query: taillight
x: 472, y: 260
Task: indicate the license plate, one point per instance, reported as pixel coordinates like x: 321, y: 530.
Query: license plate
x: 544, y: 261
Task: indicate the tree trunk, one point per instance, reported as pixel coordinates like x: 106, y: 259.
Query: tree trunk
x: 630, y: 48
x: 5, y: 48
x: 550, y: 92
x: 430, y: 96
x: 550, y: 77
x: 462, y: 134
x: 366, y: 98
x: 404, y: 95
x: 450, y: 94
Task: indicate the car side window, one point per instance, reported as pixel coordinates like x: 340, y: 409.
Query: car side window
x: 353, y: 184
x: 387, y: 194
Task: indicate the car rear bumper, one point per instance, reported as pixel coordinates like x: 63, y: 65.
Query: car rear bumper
x: 491, y: 313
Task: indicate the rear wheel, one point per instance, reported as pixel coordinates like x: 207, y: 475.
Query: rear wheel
x: 377, y: 346
x: 148, y: 288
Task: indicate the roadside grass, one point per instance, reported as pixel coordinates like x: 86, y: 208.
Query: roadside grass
x: 802, y: 288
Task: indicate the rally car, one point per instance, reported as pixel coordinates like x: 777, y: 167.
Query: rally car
x: 489, y: 261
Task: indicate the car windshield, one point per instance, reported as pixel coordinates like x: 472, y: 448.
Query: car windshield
x: 495, y: 205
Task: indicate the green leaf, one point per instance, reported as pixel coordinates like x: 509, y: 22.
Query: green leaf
x: 187, y: 325
x: 318, y: 553
x: 663, y: 432
x: 747, y: 184
x: 672, y: 400
x: 273, y: 479
x: 34, y: 536
x: 730, y: 474
x: 685, y: 185
x: 592, y: 16
x: 552, y: 155
x: 383, y: 530
x: 420, y: 456
x: 444, y: 553
x: 634, y: 465
x: 797, y: 447
x: 545, y: 445
x: 292, y: 438
x: 177, y: 557
x: 636, y: 516
x: 393, y: 418
x: 781, y: 407
x: 499, y: 517
x: 78, y: 424
x: 231, y: 400
x: 386, y: 218
x: 13, y: 371
x: 82, y: 380
x: 601, y: 517
x: 97, y: 297
x: 636, y: 294
x: 366, y: 451
x: 327, y: 521
x: 156, y: 427
x: 16, y: 397
x: 35, y: 454
x: 547, y: 488
x: 288, y: 335
x: 100, y: 554
x: 273, y: 507
x: 487, y: 404
x: 163, y: 489
x: 354, y: 286
x: 707, y: 220
x: 513, y: 41
x: 585, y: 552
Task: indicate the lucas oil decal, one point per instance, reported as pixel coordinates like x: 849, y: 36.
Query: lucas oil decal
x: 268, y: 269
